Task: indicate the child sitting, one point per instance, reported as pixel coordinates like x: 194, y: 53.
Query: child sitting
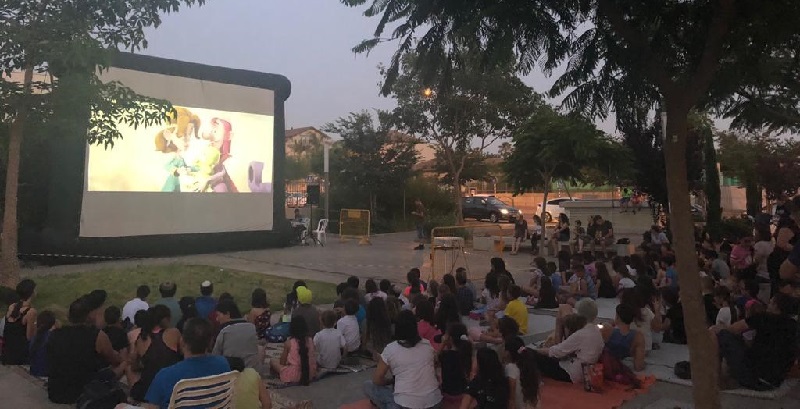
x: 348, y: 325
x: 116, y: 334
x: 523, y: 376
x: 297, y: 363
x: 490, y: 387
x: 455, y: 361
x: 725, y: 314
x: 329, y: 342
x: 516, y: 309
x: 45, y: 323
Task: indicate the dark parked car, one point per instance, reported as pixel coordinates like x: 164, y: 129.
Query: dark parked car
x: 488, y: 207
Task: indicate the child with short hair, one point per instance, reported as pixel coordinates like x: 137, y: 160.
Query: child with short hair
x: 45, y: 323
x: 116, y: 334
x: 725, y: 315
x: 329, y: 342
x: 516, y: 309
x: 348, y: 325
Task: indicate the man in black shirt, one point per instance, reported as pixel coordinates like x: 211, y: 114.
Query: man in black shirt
x: 763, y: 365
x: 603, y: 235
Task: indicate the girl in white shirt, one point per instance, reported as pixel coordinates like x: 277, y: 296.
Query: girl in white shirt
x: 726, y: 314
x: 523, y: 376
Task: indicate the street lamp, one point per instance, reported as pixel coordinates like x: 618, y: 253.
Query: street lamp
x: 427, y: 92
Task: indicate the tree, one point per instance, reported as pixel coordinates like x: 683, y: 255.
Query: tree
x: 474, y: 168
x: 551, y: 146
x: 505, y: 150
x: 371, y: 159
x: 482, y: 105
x: 67, y: 41
x: 625, y: 57
x: 712, y: 190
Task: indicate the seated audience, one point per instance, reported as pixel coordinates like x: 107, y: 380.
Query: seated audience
x: 426, y: 327
x: 414, y: 281
x: 516, y: 309
x: 674, y: 330
x: 605, y: 287
x: 378, y: 329
x: 489, y: 389
x: 523, y: 376
x: 329, y: 342
x: 353, y: 282
x: 584, y: 341
x: 188, y: 311
x: 116, y: 334
x: 621, y: 340
x: 76, y: 353
x: 411, y: 360
x: 547, y: 294
x: 348, y: 325
x: 291, y: 298
x: 20, y: 325
x: 464, y: 294
x: 260, y: 314
x: 447, y: 312
x: 306, y: 310
x: 670, y: 278
x: 586, y: 308
x: 645, y: 320
x: 455, y: 361
x: 298, y: 362
x: 462, y: 272
x: 707, y: 285
x: 157, y: 347
x: 138, y: 303
x: 205, y: 303
x: 372, y: 291
x: 250, y: 391
x: 167, y: 291
x: 764, y: 364
x: 45, y: 324
x: 237, y: 338
x: 138, y: 321
x: 578, y: 286
x: 725, y: 314
x: 197, y: 335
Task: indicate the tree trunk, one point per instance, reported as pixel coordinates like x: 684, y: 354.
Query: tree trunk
x: 753, y: 196
x: 457, y: 198
x: 9, y: 263
x: 704, y: 365
x: 547, y: 180
x: 713, y: 194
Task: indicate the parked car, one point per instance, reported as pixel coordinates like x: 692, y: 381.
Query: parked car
x: 488, y: 207
x: 553, y: 208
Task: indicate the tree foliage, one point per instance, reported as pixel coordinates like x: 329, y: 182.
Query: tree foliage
x: 482, y: 105
x: 761, y: 162
x: 553, y: 146
x: 369, y: 159
x: 475, y: 168
x: 58, y: 46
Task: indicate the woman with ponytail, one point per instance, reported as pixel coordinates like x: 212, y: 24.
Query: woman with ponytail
x: 523, y: 376
x: 455, y: 361
x: 156, y: 348
x: 298, y: 363
x: 489, y: 388
x: 20, y: 325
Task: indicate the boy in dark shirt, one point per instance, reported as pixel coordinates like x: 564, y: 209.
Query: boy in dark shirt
x: 114, y: 330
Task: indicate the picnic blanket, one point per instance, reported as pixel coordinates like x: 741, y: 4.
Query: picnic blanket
x: 661, y: 365
x: 564, y: 395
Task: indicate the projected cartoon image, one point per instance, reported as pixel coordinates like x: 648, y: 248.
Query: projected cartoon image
x: 197, y: 150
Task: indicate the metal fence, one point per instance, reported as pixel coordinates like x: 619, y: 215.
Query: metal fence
x: 354, y: 224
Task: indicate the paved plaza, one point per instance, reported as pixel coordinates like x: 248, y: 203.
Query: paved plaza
x: 390, y: 256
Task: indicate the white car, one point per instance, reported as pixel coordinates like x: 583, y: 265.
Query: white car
x: 553, y: 208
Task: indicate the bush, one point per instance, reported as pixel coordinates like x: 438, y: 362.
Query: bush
x: 735, y: 228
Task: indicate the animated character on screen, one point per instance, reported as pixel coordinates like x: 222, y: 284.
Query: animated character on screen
x: 211, y: 160
x: 173, y: 141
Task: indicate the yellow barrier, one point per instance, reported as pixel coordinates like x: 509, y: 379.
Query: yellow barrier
x: 354, y: 223
x: 449, y: 244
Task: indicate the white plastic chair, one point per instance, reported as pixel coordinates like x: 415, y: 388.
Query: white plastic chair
x: 321, y: 232
x: 212, y: 392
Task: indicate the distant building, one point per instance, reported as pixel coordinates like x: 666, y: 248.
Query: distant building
x: 301, y: 141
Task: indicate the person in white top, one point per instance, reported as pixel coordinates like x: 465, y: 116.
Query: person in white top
x: 412, y: 362
x: 563, y: 362
x: 373, y: 291
x: 348, y: 325
x: 329, y: 342
x: 523, y: 376
x: 722, y: 298
x: 136, y: 304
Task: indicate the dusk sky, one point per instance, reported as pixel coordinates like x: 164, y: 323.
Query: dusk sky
x: 308, y: 41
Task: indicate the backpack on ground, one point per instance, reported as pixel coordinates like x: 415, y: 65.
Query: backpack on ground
x: 99, y: 394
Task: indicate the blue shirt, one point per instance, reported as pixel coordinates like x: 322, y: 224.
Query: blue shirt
x: 160, y: 390
x: 673, y: 277
x: 361, y: 315
x: 205, y: 305
x: 557, y: 282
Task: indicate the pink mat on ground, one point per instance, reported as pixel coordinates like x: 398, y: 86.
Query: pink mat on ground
x: 563, y: 395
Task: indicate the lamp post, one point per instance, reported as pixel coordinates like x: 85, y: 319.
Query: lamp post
x: 327, y: 176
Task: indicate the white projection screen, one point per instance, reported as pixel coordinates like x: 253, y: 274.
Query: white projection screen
x: 209, y: 169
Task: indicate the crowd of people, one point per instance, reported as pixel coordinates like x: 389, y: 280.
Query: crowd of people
x: 443, y: 342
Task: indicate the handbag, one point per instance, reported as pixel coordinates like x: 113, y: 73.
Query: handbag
x: 99, y: 394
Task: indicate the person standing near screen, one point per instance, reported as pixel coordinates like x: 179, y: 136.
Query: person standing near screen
x: 419, y: 222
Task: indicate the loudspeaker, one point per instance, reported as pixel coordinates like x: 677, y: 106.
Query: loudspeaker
x: 312, y: 191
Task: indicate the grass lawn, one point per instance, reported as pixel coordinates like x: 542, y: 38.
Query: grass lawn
x: 56, y: 292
